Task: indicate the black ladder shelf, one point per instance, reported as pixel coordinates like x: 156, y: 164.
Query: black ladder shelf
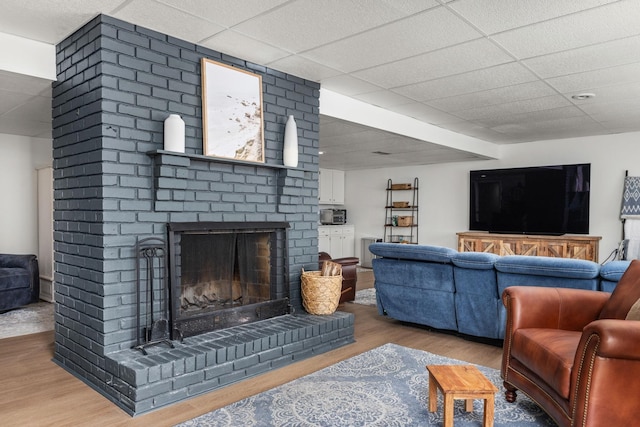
x: 401, y: 213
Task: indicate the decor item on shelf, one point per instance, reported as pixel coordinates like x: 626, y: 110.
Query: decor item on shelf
x: 174, y: 133
x: 290, y: 151
x: 405, y: 221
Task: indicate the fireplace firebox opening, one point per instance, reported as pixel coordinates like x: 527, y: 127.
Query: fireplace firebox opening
x: 225, y: 274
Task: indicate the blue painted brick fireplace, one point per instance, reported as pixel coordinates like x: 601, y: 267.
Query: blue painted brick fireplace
x: 114, y: 184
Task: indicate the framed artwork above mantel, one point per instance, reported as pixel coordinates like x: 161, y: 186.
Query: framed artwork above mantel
x: 232, y: 112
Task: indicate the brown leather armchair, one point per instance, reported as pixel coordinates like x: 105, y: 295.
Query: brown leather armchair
x: 574, y: 353
x: 349, y: 274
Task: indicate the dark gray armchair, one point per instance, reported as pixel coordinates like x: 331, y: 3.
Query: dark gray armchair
x: 19, y: 281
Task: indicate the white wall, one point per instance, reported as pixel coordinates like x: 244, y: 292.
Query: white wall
x: 19, y: 158
x: 444, y: 188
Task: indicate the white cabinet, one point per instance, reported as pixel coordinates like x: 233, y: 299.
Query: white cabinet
x: 337, y: 240
x: 331, y: 187
x: 324, y: 244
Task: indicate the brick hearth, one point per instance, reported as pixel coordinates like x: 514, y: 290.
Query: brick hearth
x: 212, y: 360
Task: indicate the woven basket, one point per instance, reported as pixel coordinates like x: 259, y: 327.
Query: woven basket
x: 405, y: 221
x: 320, y: 294
x: 400, y: 204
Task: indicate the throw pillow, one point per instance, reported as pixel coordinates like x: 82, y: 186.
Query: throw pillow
x: 634, y: 313
x: 625, y: 294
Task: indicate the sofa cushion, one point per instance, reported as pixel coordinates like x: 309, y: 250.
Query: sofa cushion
x: 475, y: 260
x: 614, y: 270
x: 548, y: 266
x: 549, y: 353
x: 625, y: 294
x: 14, y: 278
x: 412, y: 252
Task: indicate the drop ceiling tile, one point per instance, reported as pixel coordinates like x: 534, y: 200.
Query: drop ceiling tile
x: 614, y: 21
x: 244, y: 47
x: 50, y: 21
x: 580, y: 82
x: 410, y: 7
x: 348, y: 85
x: 477, y: 131
x: 613, y: 108
x: 474, y: 81
x: 473, y: 55
x: 611, y: 94
x: 31, y: 128
x: 303, y: 68
x: 383, y: 98
x: 427, y: 31
x: 531, y: 117
x: 620, y: 122
x: 20, y: 83
x: 515, y: 107
x: 304, y: 24
x: 535, y: 89
x: 493, y: 16
x: 220, y: 12
x: 331, y: 127
x: 424, y: 113
x: 600, y: 56
x: 168, y: 20
x: 36, y: 108
x: 553, y: 129
x: 347, y: 142
x: 10, y: 100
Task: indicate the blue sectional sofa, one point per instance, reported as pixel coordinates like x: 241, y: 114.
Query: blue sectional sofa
x: 461, y: 291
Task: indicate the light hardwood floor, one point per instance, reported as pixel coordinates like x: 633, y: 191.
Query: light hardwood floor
x: 34, y: 391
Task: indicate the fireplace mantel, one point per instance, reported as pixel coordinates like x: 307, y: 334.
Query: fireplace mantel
x: 201, y: 157
x: 174, y: 173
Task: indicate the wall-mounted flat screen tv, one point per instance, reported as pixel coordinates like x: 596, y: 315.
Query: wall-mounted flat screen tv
x: 531, y: 200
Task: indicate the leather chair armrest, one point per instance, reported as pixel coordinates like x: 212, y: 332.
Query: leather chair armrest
x: 323, y: 256
x: 605, y: 369
x: 618, y: 339
x: 347, y: 261
x: 554, y: 308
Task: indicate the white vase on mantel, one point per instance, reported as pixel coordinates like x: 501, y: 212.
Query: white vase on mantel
x: 174, y: 134
x: 290, y: 152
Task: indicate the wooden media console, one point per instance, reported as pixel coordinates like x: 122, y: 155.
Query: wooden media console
x: 567, y: 246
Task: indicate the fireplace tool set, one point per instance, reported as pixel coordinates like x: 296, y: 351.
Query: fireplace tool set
x: 152, y: 296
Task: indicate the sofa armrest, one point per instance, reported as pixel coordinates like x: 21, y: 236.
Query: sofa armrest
x: 17, y: 261
x: 553, y: 308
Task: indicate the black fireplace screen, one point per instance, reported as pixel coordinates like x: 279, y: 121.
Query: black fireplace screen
x: 222, y: 270
x: 224, y: 274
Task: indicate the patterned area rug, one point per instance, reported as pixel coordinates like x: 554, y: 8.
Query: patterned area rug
x: 365, y: 297
x: 386, y: 386
x: 37, y: 317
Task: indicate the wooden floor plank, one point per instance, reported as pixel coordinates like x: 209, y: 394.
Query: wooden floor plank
x: 35, y: 391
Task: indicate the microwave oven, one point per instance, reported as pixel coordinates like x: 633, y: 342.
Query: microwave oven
x: 333, y: 216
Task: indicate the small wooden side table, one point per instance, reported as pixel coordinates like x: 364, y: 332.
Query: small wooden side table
x: 460, y: 382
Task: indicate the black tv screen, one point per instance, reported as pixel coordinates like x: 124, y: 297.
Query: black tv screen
x: 532, y: 200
